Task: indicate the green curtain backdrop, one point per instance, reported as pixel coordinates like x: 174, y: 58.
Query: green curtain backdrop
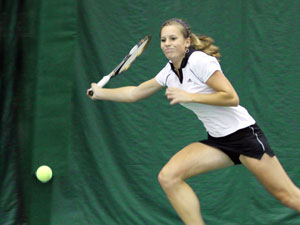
x: 9, y: 188
x: 106, y: 156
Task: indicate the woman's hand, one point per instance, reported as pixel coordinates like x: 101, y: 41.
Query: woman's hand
x: 93, y: 88
x: 176, y: 95
x: 225, y: 94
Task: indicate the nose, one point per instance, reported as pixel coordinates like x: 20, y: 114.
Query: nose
x: 167, y: 42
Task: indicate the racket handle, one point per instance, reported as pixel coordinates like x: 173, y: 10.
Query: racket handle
x: 101, y: 83
x: 104, y: 80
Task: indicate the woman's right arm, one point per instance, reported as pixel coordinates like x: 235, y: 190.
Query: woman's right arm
x: 126, y: 94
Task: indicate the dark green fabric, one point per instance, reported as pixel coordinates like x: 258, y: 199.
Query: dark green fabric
x: 106, y: 156
x: 10, y: 195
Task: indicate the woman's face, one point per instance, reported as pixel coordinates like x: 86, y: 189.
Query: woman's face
x: 173, y: 43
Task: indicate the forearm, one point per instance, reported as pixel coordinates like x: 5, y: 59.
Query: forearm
x: 217, y: 99
x: 123, y: 94
x: 126, y: 94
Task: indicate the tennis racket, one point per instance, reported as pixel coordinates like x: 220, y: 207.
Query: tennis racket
x: 135, y: 52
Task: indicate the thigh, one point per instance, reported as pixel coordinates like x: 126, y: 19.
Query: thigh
x: 270, y: 173
x: 196, y: 158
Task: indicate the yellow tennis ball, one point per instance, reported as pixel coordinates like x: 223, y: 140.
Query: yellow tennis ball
x: 44, y: 173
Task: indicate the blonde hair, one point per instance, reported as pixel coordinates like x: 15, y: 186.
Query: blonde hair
x: 198, y: 42
x: 205, y: 44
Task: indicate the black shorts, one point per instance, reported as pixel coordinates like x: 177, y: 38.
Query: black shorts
x: 249, y: 141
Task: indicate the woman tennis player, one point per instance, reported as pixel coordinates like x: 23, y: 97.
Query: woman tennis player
x: 194, y: 78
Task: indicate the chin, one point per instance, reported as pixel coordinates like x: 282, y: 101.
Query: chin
x: 168, y: 57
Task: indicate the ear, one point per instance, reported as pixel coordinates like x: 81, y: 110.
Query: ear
x: 187, y: 42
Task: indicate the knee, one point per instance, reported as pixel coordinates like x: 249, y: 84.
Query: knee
x: 168, y: 178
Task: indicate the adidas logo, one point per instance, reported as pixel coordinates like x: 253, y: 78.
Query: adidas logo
x: 189, y: 80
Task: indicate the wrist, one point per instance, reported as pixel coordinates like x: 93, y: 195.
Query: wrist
x: 98, y: 92
x: 193, y: 97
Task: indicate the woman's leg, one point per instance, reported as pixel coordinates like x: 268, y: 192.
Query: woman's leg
x: 194, y: 159
x: 270, y: 173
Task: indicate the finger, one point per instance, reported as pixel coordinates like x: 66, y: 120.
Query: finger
x: 169, y: 89
x: 172, y: 89
x: 169, y: 96
x: 167, y: 92
x: 173, y: 102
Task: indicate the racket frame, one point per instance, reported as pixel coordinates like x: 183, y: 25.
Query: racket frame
x: 118, y: 69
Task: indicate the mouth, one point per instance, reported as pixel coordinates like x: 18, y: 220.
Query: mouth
x: 168, y: 50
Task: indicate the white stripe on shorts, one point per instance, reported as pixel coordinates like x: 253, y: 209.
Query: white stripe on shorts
x: 262, y: 145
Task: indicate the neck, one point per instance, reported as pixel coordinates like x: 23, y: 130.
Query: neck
x: 177, y: 63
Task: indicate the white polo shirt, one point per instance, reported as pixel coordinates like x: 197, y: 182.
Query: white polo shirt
x: 196, y: 69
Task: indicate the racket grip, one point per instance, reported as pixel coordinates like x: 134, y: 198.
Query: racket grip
x: 101, y: 83
x: 104, y: 80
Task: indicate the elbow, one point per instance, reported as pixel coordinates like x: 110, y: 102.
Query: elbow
x: 133, y: 97
x: 231, y: 100
x: 235, y: 101
x: 133, y: 100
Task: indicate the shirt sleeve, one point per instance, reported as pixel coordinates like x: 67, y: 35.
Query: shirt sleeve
x: 204, y: 66
x: 161, y: 77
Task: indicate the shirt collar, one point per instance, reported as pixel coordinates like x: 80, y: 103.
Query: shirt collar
x: 183, y: 64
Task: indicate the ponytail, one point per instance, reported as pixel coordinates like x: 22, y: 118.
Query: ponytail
x: 205, y: 44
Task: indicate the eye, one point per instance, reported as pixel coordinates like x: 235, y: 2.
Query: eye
x: 173, y: 38
x: 163, y: 40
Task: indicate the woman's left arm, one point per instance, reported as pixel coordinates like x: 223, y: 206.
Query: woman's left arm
x: 225, y: 94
